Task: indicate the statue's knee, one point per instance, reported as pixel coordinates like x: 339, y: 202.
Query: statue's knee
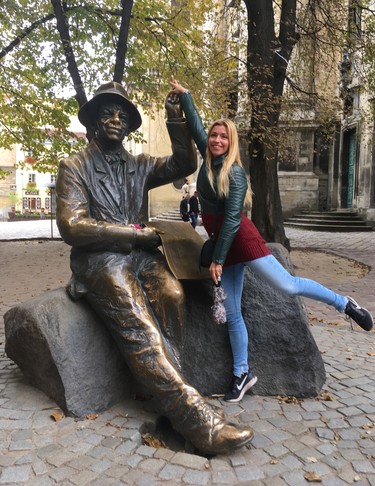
x: 175, y: 294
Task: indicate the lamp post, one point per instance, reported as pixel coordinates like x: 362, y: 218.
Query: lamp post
x: 51, y: 187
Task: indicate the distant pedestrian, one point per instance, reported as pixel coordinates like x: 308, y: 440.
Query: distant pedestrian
x: 194, y: 209
x: 185, y: 189
x: 184, y: 208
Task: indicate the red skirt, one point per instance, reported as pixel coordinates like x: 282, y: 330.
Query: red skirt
x: 247, y: 245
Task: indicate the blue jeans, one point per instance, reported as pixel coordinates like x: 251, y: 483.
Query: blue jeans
x: 194, y: 219
x: 278, y: 278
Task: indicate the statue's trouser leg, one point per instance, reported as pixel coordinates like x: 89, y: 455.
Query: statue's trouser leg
x: 115, y: 292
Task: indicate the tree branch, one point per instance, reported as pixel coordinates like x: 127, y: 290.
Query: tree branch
x: 24, y: 34
x: 122, y: 43
x: 63, y: 29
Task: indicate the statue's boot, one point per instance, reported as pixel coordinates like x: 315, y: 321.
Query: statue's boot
x: 205, y: 426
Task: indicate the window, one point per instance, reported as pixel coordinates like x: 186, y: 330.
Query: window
x: 32, y: 177
x: 53, y: 179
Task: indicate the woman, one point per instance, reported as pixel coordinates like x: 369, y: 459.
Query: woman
x: 223, y: 190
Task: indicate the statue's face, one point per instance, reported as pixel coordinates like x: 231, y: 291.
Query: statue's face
x: 112, y: 123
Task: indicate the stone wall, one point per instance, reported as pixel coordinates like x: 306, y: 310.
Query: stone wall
x: 298, y: 191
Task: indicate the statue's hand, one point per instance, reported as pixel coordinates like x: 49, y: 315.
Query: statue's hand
x: 148, y: 239
x: 173, y: 107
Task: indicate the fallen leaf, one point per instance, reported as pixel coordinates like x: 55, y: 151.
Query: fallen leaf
x: 91, y: 416
x: 311, y: 459
x: 371, y: 354
x: 274, y: 461
x: 327, y: 397
x: 152, y: 441
x: 312, y: 477
x: 289, y: 400
x: 57, y: 415
x: 357, y: 478
x: 368, y: 426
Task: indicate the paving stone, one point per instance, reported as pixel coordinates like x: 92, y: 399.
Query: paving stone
x: 117, y: 471
x: 151, y: 465
x: 83, y: 477
x: 327, y: 449
x: 196, y: 477
x: 277, y: 435
x: 133, y: 460
x: 189, y: 460
x: 260, y: 441
x: 146, y: 451
x: 294, y: 478
x: 363, y: 467
x: 291, y: 462
x: 249, y: 473
x: 111, y: 442
x: 60, y: 457
x: 275, y: 482
x: 61, y: 473
x: 42, y: 481
x: 15, y: 474
x: 334, y: 481
x: 126, y: 447
x: 39, y: 467
x: 223, y: 477
x: 171, y: 471
x: 98, y: 452
x: 81, y: 462
x: 324, y: 433
x: 100, y: 466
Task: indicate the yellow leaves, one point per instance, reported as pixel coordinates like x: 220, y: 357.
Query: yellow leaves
x: 91, y: 416
x: 57, y: 415
x: 152, y: 441
x: 327, y: 397
x: 311, y: 460
x: 312, y: 477
x: 289, y: 399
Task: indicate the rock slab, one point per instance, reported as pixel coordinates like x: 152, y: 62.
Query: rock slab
x: 64, y: 349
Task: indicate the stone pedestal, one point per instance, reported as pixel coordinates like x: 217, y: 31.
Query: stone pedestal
x: 64, y: 349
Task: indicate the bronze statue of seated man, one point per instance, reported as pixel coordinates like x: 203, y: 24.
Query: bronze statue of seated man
x: 102, y: 198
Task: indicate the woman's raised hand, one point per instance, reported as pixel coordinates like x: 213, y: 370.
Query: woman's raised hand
x: 176, y: 87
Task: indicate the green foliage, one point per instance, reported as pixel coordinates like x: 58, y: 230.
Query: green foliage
x: 4, y: 173
x: 37, y: 92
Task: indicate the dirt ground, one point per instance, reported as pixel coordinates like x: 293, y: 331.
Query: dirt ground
x: 28, y: 268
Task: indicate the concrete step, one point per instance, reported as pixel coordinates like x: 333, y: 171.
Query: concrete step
x: 333, y: 222
x: 327, y: 227
x: 172, y: 215
x: 343, y: 220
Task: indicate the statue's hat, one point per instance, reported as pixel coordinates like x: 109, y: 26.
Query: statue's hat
x: 111, y: 91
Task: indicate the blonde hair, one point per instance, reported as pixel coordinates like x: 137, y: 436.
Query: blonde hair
x: 232, y: 156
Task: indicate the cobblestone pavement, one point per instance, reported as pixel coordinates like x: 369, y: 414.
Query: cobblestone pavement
x: 330, y: 439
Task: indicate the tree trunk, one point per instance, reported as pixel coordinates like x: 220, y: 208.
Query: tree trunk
x: 267, y: 59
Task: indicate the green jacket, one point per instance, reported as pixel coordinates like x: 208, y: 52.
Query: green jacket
x: 230, y: 207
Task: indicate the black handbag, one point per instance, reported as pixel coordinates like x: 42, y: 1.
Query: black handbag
x: 207, y: 252
x: 208, y: 248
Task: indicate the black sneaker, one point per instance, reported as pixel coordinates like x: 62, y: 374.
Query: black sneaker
x: 359, y: 314
x: 240, y: 385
